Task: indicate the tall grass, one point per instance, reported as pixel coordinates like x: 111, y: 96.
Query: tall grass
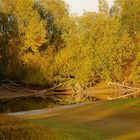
x: 15, y: 129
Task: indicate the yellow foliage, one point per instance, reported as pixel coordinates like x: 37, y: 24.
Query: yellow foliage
x: 39, y: 69
x: 31, y: 30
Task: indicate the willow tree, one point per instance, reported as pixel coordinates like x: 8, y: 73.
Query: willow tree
x: 130, y: 19
x: 129, y: 14
x: 8, y: 33
x: 113, y: 48
x: 55, y: 15
x: 110, y: 46
x: 28, y: 30
x: 8, y: 52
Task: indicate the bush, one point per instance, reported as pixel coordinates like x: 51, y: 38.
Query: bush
x: 39, y: 69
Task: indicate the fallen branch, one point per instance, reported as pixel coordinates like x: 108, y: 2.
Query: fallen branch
x: 125, y: 96
x: 16, y: 91
x: 122, y: 86
x: 129, y: 91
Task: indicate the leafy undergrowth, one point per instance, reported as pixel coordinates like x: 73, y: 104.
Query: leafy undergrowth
x: 15, y: 129
x: 112, y: 120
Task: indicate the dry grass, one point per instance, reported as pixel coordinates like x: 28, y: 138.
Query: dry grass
x: 15, y: 129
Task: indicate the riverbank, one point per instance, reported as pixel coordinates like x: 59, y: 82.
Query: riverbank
x: 105, y: 120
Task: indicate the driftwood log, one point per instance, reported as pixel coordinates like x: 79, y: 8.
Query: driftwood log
x: 10, y: 90
x: 128, y: 91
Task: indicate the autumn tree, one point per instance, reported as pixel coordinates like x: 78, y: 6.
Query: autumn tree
x: 73, y: 62
x: 43, y: 42
x: 130, y: 14
x: 55, y: 15
x: 58, y: 24
x: 8, y: 51
x: 130, y: 19
x: 113, y: 47
x: 103, y: 7
x: 24, y: 22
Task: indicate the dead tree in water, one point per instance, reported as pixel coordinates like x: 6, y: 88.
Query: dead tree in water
x: 10, y: 90
x: 79, y: 92
x: 127, y: 93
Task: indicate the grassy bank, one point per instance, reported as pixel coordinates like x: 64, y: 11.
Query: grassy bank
x: 113, y: 120
x: 106, y: 120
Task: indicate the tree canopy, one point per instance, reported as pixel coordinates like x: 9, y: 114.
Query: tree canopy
x: 41, y: 43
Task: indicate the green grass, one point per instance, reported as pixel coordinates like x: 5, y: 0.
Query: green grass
x: 112, y: 120
x: 69, y: 131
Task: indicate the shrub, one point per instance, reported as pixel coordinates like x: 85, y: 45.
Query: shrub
x: 39, y: 69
